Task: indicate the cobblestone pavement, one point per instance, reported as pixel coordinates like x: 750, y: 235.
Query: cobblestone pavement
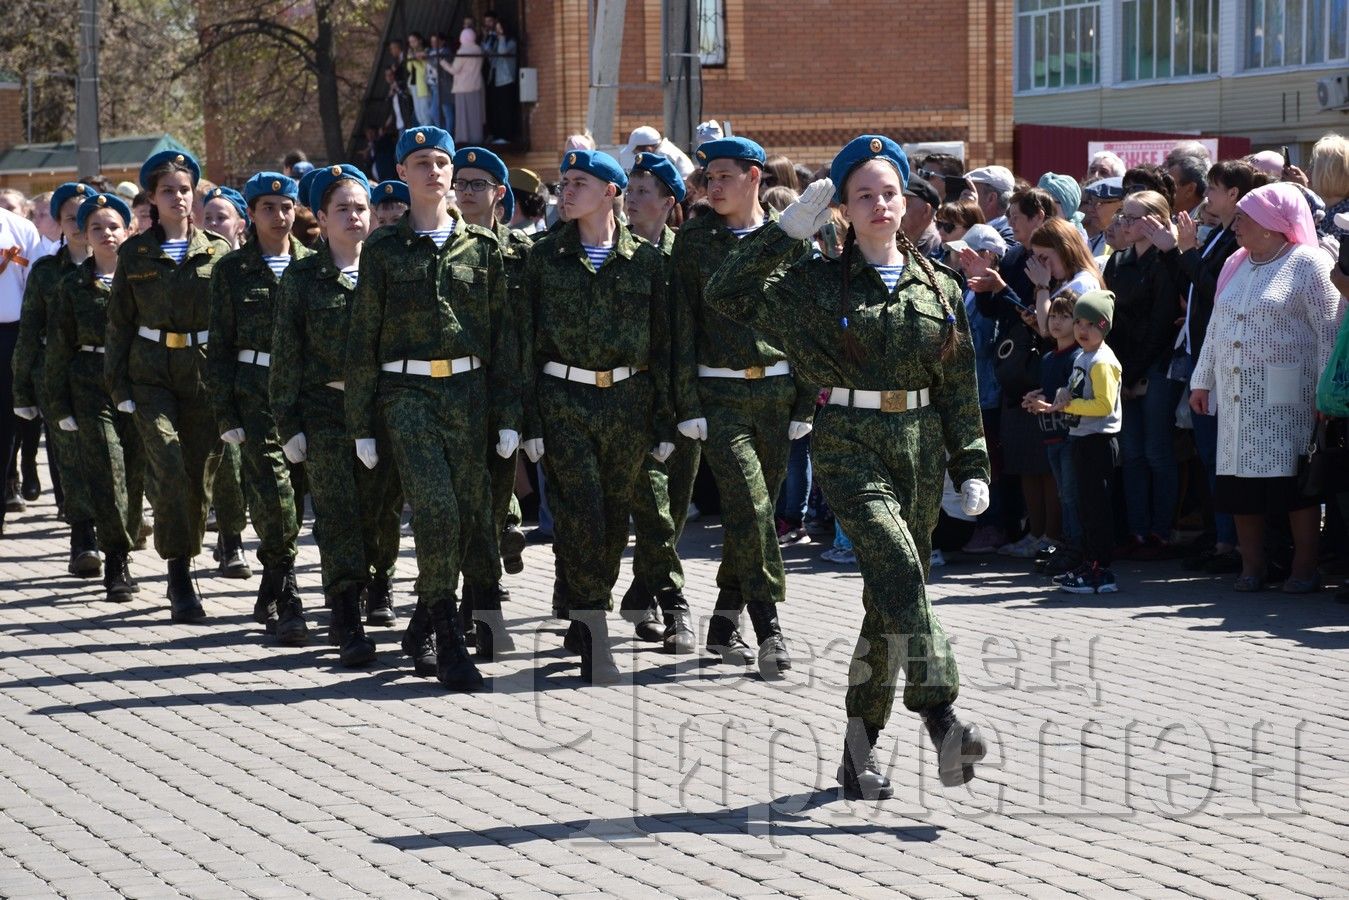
x: 1175, y: 739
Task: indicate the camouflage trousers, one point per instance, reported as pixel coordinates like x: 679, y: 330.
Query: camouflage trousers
x: 482, y: 557
x: 660, y: 504
x: 437, y: 428
x: 747, y: 449
x: 77, y: 502
x: 266, y: 478
x: 882, y: 475
x: 110, y: 462
x: 594, y: 440
x: 227, y: 489
x: 178, y: 431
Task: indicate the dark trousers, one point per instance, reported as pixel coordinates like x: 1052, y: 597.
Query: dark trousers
x: 1094, y: 458
x: 9, y: 335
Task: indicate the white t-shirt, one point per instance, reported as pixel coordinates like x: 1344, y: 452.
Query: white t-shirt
x: 19, y: 239
x: 1080, y: 283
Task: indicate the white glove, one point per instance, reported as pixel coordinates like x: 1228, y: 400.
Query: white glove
x: 662, y: 451
x: 365, y: 451
x: 507, y: 442
x: 534, y: 449
x: 26, y: 412
x: 809, y: 213
x: 694, y: 429
x: 233, y: 436
x: 974, y: 497
x: 68, y: 424
x: 798, y: 430
x: 127, y: 406
x: 296, y: 449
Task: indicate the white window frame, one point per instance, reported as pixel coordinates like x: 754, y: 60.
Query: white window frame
x: 1036, y: 24
x: 1284, y: 64
x: 1213, y: 27
x: 712, y: 49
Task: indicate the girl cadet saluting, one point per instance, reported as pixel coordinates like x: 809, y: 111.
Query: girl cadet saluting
x: 886, y: 329
x: 432, y: 354
x: 158, y: 317
x: 238, y: 356
x: 597, y: 387
x: 109, y: 459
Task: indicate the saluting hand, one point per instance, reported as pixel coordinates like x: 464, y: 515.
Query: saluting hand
x: 803, y: 218
x: 974, y: 497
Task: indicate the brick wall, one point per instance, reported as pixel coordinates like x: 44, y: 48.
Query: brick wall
x: 11, y: 115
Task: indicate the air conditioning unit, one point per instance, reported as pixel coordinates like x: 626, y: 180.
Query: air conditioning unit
x: 1332, y: 92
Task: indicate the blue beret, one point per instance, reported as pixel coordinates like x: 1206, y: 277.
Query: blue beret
x: 270, y: 184
x: 301, y: 168
x: 663, y: 169
x: 65, y: 192
x: 328, y: 176
x: 489, y: 162
x: 731, y: 148
x: 424, y: 137
x: 102, y: 201
x: 302, y: 186
x: 230, y: 196
x: 597, y: 163
x: 864, y: 149
x: 178, y: 157
x: 392, y: 191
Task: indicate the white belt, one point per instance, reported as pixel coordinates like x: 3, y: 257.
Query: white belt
x: 256, y: 357
x: 751, y: 374
x: 433, y: 368
x: 885, y: 401
x: 603, y: 378
x: 338, y: 385
x: 90, y: 348
x: 174, y: 340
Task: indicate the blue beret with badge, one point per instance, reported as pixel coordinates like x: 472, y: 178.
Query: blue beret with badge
x: 230, y: 196
x: 731, y: 148
x: 597, y: 163
x: 302, y: 186
x: 102, y: 201
x: 328, y: 176
x: 392, y: 191
x: 863, y: 149
x: 663, y: 169
x: 270, y: 184
x: 489, y: 162
x: 65, y: 192
x: 175, y: 157
x: 424, y: 137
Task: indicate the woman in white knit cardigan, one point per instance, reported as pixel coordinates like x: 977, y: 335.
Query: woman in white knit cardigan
x: 1274, y: 324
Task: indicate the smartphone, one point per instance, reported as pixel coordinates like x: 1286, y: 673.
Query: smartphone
x: 1286, y: 161
x: 1018, y: 304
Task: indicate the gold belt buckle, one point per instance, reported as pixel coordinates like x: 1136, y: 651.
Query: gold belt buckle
x: 894, y: 401
x: 440, y: 368
x: 754, y: 372
x: 604, y: 379
x: 174, y: 340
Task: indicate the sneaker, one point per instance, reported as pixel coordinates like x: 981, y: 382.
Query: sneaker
x: 839, y: 556
x: 986, y: 539
x: 1089, y: 580
x: 1064, y: 561
x: 937, y: 561
x: 1064, y: 577
x: 1025, y: 548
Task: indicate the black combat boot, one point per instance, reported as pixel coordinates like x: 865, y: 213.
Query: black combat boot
x: 379, y: 610
x: 639, y: 607
x: 723, y: 631
x: 419, y: 641
x: 229, y: 553
x: 597, y: 657
x: 356, y: 649
x: 958, y: 746
x: 184, y: 606
x: 291, y: 630
x: 454, y: 668
x: 84, y: 561
x: 677, y: 636
x: 861, y: 778
x: 561, y: 603
x: 489, y: 632
x: 117, y: 578
x: 265, y: 605
x: 465, y: 612
x: 512, y: 549
x: 773, y: 657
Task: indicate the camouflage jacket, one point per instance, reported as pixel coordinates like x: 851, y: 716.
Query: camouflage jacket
x: 44, y: 279
x: 77, y: 317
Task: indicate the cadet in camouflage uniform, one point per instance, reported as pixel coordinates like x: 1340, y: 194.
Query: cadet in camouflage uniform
x: 432, y: 353
x: 313, y: 305
x: 109, y: 461
x: 158, y: 317
x: 885, y: 328
x: 661, y: 497
x: 597, y: 387
x: 238, y: 356
x: 30, y: 387
x: 735, y: 391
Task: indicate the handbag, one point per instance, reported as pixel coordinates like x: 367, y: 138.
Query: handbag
x: 1332, y: 390
x: 1325, y: 468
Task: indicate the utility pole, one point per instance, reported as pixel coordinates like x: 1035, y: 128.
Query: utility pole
x: 606, y: 45
x: 681, y: 71
x: 87, y: 143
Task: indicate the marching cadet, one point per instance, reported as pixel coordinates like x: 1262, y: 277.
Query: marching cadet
x: 30, y: 386
x: 885, y: 327
x: 225, y: 212
x: 243, y: 288
x: 432, y: 356
x: 391, y: 201
x: 597, y: 388
x: 735, y: 392
x: 109, y: 462
x: 661, y: 497
x: 357, y: 547
x: 158, y: 316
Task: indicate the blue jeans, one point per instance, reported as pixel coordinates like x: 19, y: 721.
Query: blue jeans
x: 841, y: 541
x: 1151, y: 481
x: 1206, y: 445
x: 1061, y: 464
x: 796, y: 489
x: 545, y: 513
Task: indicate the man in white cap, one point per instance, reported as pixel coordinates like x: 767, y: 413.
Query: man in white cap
x: 994, y: 185
x: 647, y: 139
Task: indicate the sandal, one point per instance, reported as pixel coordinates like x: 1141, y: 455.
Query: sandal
x: 1249, y: 584
x: 1302, y: 585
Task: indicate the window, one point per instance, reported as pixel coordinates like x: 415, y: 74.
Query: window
x: 712, y: 32
x: 1057, y: 44
x: 1296, y: 32
x: 1168, y: 39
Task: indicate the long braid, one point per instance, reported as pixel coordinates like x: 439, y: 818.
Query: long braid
x: 852, y: 347
x: 952, y: 338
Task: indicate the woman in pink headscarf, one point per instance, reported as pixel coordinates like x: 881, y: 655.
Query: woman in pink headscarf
x: 1274, y: 323
x: 469, y: 105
